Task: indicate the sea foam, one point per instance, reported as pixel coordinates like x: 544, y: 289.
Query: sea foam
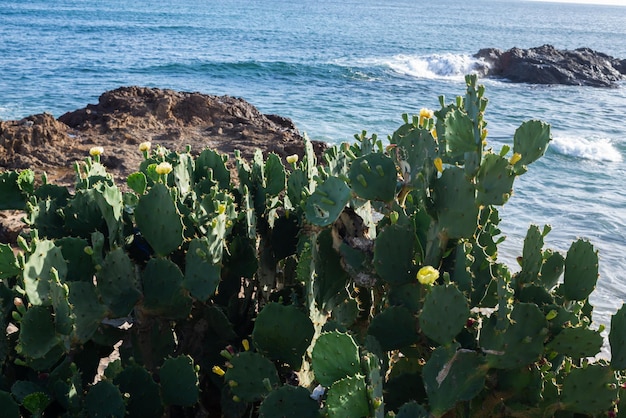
x: 591, y: 148
x: 436, y: 65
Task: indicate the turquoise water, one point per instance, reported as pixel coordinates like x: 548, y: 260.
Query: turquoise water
x: 337, y: 68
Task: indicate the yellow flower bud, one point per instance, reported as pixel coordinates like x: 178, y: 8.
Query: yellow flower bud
x: 424, y: 115
x: 515, y: 158
x: 221, y: 208
x: 292, y: 159
x: 433, y: 132
x: 246, y: 344
x: 145, y: 146
x: 427, y: 275
x: 95, y: 151
x: 218, y: 371
x: 439, y: 164
x: 163, y: 168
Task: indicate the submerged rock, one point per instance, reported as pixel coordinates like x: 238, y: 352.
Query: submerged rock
x: 548, y: 65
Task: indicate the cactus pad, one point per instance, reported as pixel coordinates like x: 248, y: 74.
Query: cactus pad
x: 8, y: 406
x: 202, y: 276
x: 283, y: 333
x: 444, y: 314
x: 456, y: 209
x: 163, y: 291
x: 348, y: 398
x: 577, y: 342
x: 144, y: 397
x: 289, y: 401
x: 581, y: 271
x: 393, y: 254
x: 179, y: 381
x: 117, y: 283
x: 394, y: 328
x: 37, y: 335
x: 530, y: 141
x: 88, y: 311
x: 374, y: 177
x: 37, y: 271
x: 335, y: 356
x: 494, y: 180
x: 251, y: 376
x: 589, y: 390
x: 324, y: 206
x: 105, y: 400
x: 412, y: 410
x: 617, y: 339
x: 159, y: 221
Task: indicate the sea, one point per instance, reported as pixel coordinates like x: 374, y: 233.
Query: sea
x: 337, y: 68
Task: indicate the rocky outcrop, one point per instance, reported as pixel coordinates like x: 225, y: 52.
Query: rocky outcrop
x: 127, y: 116
x: 548, y: 65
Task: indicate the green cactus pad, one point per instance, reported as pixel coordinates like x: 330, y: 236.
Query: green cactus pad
x: 324, y: 206
x: 335, y: 356
x: 459, y: 129
x: 374, y: 177
x: 209, y: 161
x: 137, y: 182
x: 251, y: 377
x: 179, y: 381
x: 80, y: 266
x: 589, y: 390
x: 37, y: 334
x: 163, y: 291
x: 274, y: 175
x: 532, y: 258
x: 8, y: 406
x: 412, y: 410
x: 444, y: 314
x: 12, y: 195
x: 8, y: 262
x: 62, y: 310
x: 87, y: 309
x: 452, y: 375
x: 415, y: 151
x: 374, y: 379
x: 521, y: 343
x: 581, y: 271
x: 289, y: 401
x: 530, y: 141
x: 159, y: 221
x: 394, y: 328
x: 37, y: 271
x: 617, y: 339
x: 202, y: 276
x: 329, y: 286
x: 454, y: 198
x: 394, y: 254
x: 577, y: 342
x: 283, y: 333
x: 494, y: 180
x: 407, y: 295
x: 144, y: 397
x: 117, y: 283
x: 105, y: 400
x: 552, y: 269
x: 82, y: 214
x: 348, y: 398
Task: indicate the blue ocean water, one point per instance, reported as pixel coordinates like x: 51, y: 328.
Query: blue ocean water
x: 337, y: 68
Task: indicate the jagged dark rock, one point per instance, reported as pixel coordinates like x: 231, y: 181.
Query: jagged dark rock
x: 127, y: 116
x: 548, y: 65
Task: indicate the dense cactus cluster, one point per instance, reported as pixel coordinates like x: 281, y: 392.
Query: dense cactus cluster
x: 367, y: 285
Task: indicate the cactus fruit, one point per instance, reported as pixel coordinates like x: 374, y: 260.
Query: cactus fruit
x: 105, y: 400
x: 348, y: 398
x: 454, y: 197
x: 335, y: 355
x: 394, y: 328
x: 283, y: 333
x: 444, y: 314
x: 163, y: 291
x: 374, y: 177
x: 589, y: 390
x: 394, y: 253
x: 617, y: 339
x: 452, y: 375
x: 117, y: 283
x: 159, y: 221
x: 326, y: 203
x: 581, y: 271
x: 289, y: 401
x: 179, y: 381
x: 251, y: 377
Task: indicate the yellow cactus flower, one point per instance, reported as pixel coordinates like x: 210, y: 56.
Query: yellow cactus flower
x: 515, y: 158
x: 292, y: 159
x: 145, y: 146
x: 439, y: 164
x: 218, y: 371
x: 221, y: 208
x: 433, y: 132
x: 163, y: 168
x: 425, y: 114
x: 96, y: 151
x: 427, y: 275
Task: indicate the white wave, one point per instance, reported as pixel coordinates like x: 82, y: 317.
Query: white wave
x: 591, y: 148
x: 436, y: 65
